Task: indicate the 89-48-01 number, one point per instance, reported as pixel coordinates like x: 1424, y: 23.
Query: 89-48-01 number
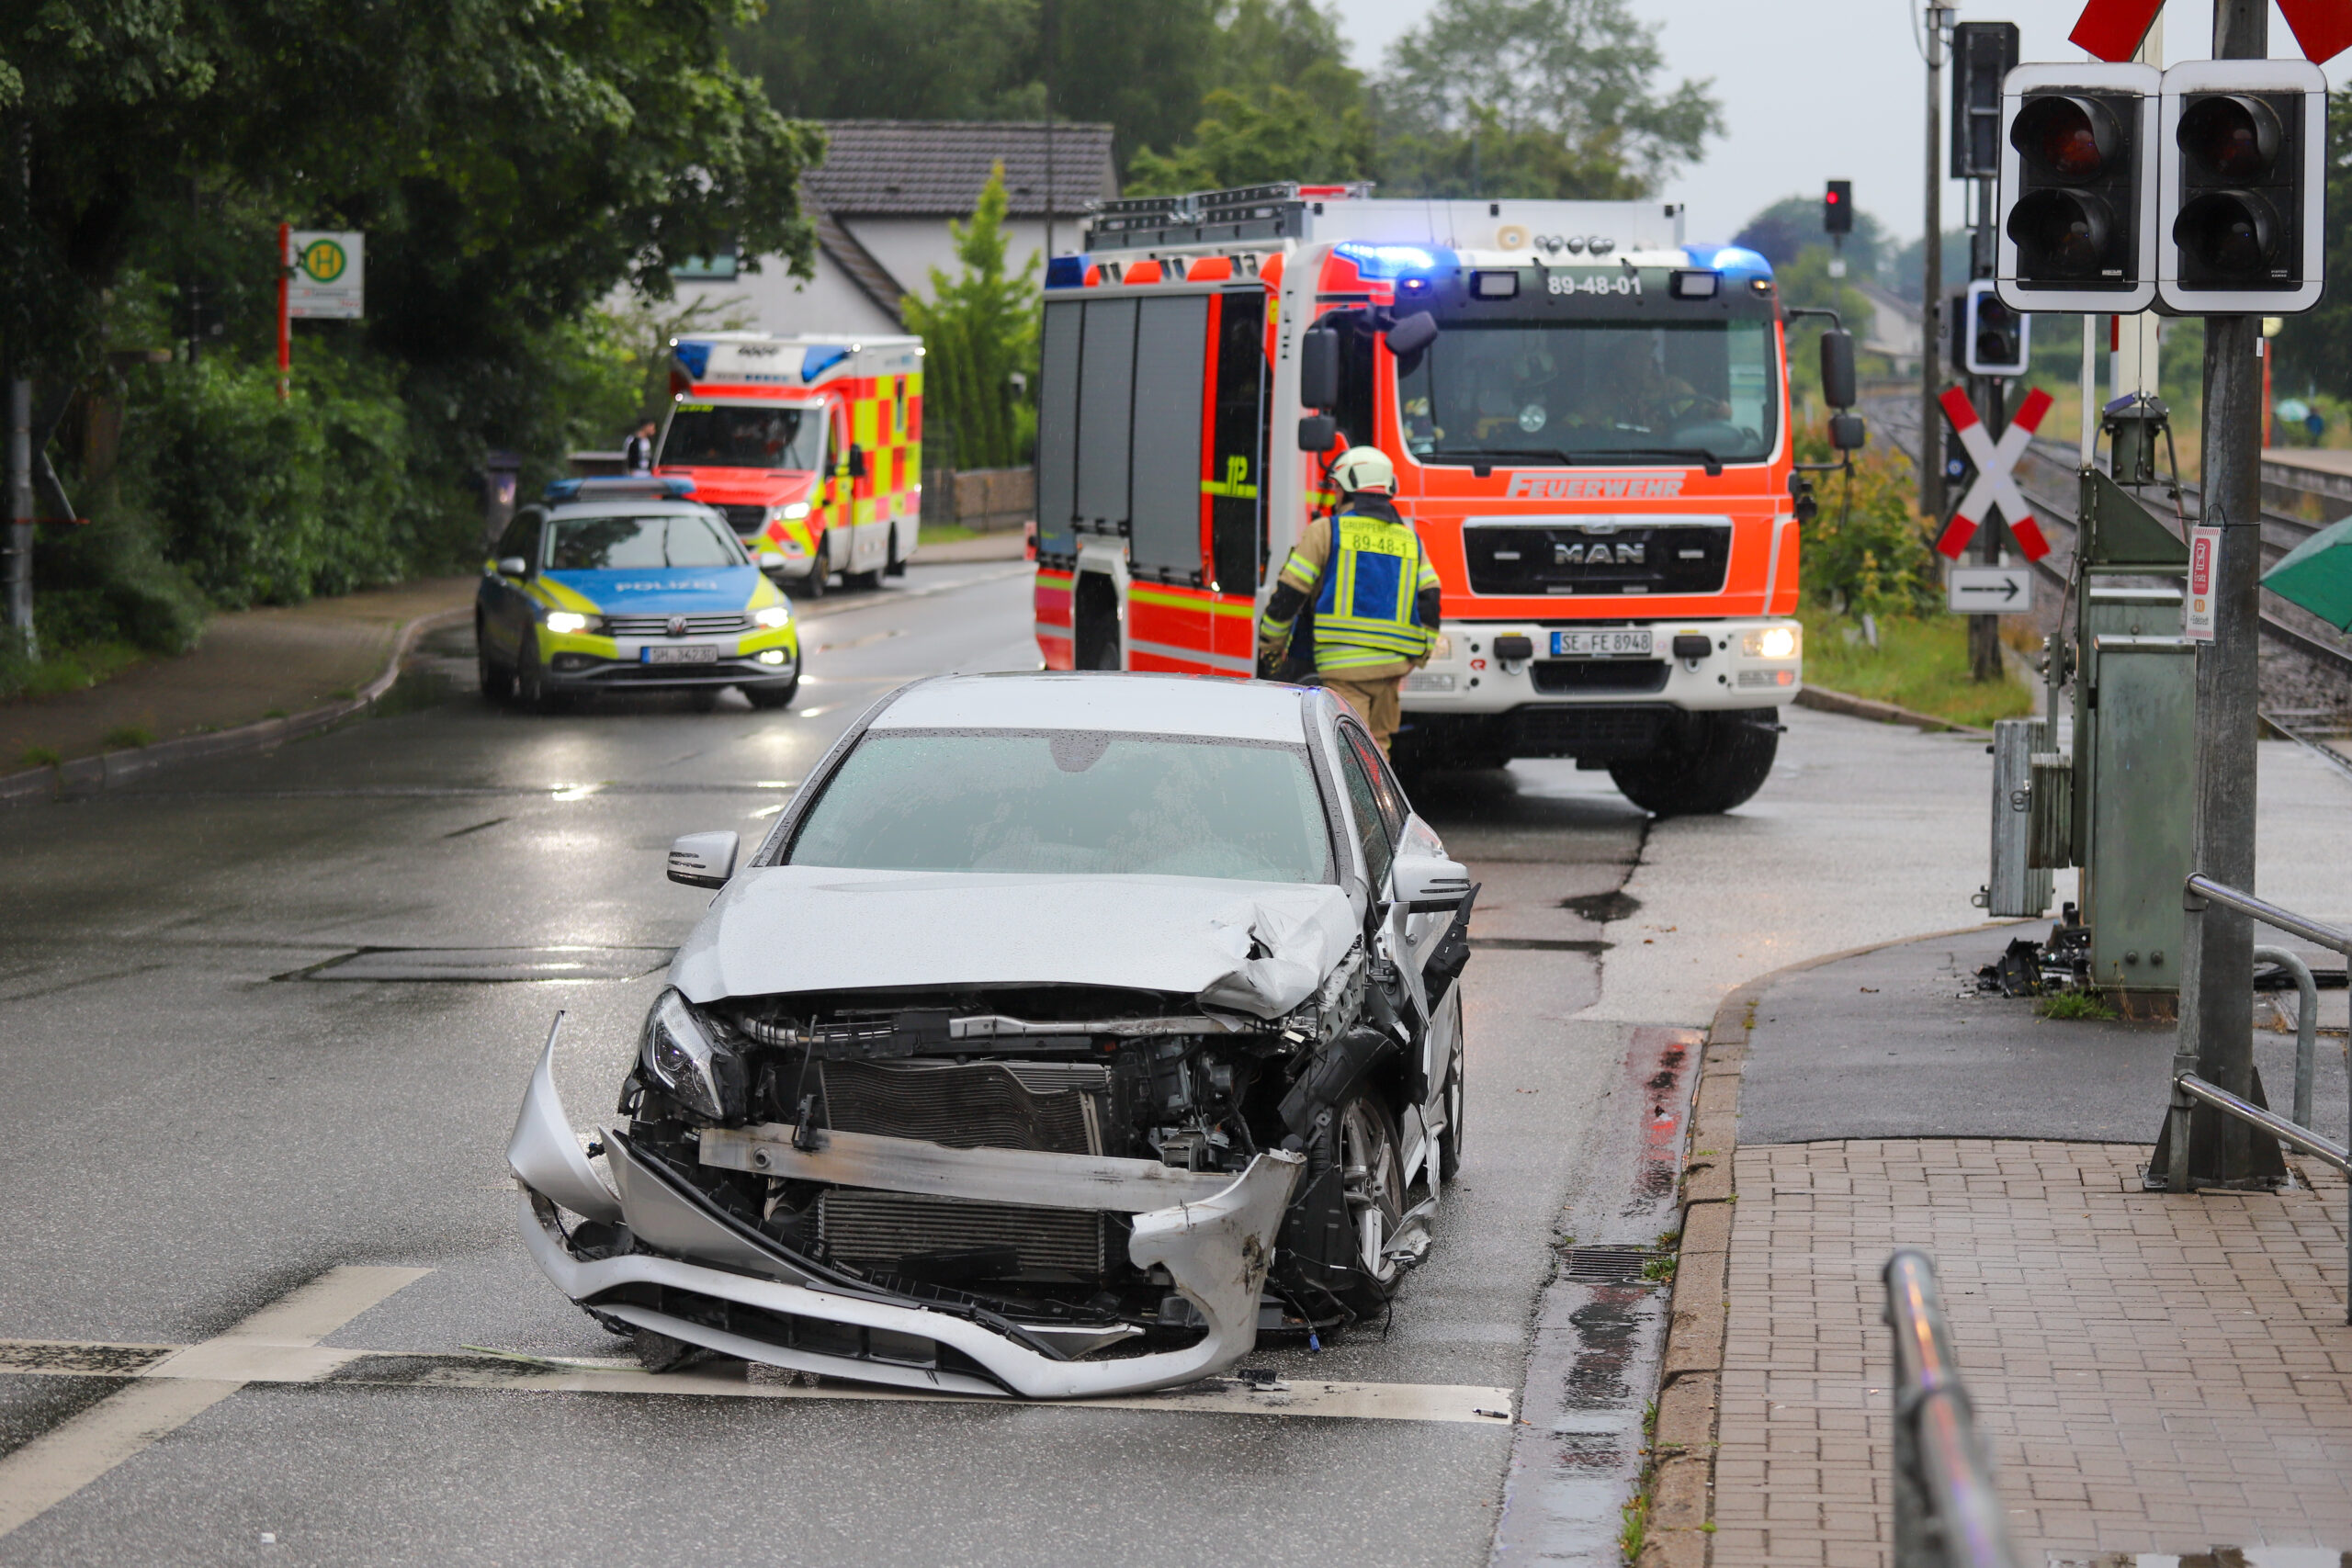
x: 1595, y: 283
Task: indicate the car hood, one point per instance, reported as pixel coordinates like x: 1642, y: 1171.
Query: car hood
x: 1260, y: 948
x: 663, y: 590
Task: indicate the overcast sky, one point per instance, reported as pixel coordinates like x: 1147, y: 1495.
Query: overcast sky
x: 1816, y: 90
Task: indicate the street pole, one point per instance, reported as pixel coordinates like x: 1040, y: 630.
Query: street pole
x: 1987, y: 392
x: 1932, y: 284
x: 285, y: 308
x: 20, y: 515
x: 2217, y: 975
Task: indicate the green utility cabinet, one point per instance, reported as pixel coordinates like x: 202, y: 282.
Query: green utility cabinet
x: 2141, y: 783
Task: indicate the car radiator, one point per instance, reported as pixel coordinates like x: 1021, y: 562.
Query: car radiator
x: 890, y: 1231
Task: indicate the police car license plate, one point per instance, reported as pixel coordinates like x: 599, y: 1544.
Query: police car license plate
x: 681, y: 653
x: 1610, y: 642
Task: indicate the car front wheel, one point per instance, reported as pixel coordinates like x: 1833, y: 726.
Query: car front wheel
x: 497, y: 680
x: 1372, y: 1170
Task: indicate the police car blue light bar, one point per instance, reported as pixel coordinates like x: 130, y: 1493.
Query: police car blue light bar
x: 632, y: 487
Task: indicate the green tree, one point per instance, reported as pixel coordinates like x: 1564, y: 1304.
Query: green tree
x: 981, y: 329
x: 2315, y: 348
x: 1288, y: 107
x: 1570, y: 87
x: 1793, y: 224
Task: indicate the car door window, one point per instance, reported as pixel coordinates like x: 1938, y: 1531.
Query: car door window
x: 1385, y: 788
x: 1363, y: 807
x: 520, y: 538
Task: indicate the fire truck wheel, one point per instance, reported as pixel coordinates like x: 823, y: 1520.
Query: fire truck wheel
x: 1724, y: 758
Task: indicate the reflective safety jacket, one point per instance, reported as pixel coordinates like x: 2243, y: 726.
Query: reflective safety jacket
x: 1376, y: 593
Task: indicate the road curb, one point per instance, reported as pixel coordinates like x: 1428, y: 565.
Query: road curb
x: 90, y: 775
x: 1680, y: 1533
x: 1827, y: 701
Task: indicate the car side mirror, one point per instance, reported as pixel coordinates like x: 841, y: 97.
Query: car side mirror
x: 857, y: 462
x: 1846, y: 431
x: 1422, y: 884
x: 1838, y: 368
x: 1319, y: 367
x: 1412, y: 334
x: 1317, y: 432
x: 513, y: 565
x: 704, y: 860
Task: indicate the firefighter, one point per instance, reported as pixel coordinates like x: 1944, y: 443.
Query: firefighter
x: 1375, y: 594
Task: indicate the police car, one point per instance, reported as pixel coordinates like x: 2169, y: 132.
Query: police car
x: 629, y: 586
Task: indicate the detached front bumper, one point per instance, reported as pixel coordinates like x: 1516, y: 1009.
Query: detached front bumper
x: 694, y: 1274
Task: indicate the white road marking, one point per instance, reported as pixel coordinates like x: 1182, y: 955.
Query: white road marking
x: 258, y: 1362
x: 280, y: 1342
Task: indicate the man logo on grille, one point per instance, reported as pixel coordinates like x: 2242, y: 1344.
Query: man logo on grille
x: 677, y: 625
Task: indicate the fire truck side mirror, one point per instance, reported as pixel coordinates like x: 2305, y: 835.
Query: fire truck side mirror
x: 1412, y: 334
x: 1318, y: 368
x: 1838, y: 368
x: 857, y: 453
x: 1317, y: 432
x: 1846, y: 431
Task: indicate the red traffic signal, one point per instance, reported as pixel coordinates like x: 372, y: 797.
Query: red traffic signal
x: 1837, y: 208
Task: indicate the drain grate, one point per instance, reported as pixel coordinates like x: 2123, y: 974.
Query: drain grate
x: 1605, y: 1264
x: 488, y: 964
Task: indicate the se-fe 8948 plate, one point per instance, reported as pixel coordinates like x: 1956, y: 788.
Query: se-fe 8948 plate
x: 1606, y: 642
x: 681, y: 653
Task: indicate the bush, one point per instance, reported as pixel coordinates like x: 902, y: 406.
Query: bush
x: 979, y: 331
x: 1866, y: 551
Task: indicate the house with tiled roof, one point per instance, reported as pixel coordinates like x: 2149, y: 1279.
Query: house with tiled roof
x: 881, y: 201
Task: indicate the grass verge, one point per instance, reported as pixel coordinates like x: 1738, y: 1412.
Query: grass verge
x: 2074, y: 1004
x: 63, y: 670
x: 1920, y: 664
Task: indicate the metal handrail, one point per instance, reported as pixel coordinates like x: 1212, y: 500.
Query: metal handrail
x: 1948, y: 1513
x: 2188, y: 1088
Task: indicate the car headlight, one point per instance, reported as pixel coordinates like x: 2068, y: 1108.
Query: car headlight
x: 774, y: 617
x: 677, y: 1053
x: 565, y: 622
x: 1771, y: 642
x: 795, y: 512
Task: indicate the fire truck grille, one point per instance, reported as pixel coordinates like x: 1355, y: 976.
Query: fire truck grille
x: 659, y: 625
x: 1603, y: 732
x: 1567, y: 559
x: 745, y: 519
x: 895, y: 1231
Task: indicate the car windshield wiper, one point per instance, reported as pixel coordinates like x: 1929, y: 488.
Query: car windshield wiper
x: 1492, y: 455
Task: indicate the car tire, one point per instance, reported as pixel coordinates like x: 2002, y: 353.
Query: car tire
x: 497, y: 680
x: 1721, y: 761
x: 770, y: 697
x: 894, y: 564
x: 819, y: 568
x: 1373, y: 1169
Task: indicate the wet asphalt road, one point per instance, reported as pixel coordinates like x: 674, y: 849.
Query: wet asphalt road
x: 189, y: 1128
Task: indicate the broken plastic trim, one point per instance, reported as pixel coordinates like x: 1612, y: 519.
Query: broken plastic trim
x: 1215, y: 1247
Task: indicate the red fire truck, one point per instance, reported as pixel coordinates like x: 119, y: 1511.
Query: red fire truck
x: 812, y: 446
x: 1589, y: 421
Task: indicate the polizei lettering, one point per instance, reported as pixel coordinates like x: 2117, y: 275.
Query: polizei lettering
x: 1594, y: 487
x: 1597, y: 554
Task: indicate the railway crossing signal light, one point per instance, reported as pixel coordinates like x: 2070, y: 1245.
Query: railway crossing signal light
x: 1837, y: 208
x: 2241, y: 179
x: 2078, y: 176
x: 1982, y: 53
x: 1995, y: 339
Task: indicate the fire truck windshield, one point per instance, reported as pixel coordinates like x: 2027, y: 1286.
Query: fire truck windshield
x: 1564, y: 392
x: 738, y: 435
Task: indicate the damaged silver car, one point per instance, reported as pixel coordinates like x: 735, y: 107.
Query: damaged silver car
x: 1065, y: 1034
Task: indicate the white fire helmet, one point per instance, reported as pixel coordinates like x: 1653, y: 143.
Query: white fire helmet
x: 1363, y: 469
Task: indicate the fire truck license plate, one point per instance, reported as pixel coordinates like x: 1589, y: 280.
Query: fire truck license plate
x: 1612, y: 642
x: 691, y: 653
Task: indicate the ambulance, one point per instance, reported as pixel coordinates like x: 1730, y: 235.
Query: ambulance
x: 811, y: 448
x: 1589, y: 420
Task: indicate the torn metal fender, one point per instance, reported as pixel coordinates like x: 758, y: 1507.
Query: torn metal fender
x: 545, y: 1156
x: 1216, y: 1252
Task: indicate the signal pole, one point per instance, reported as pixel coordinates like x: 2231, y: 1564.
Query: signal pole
x: 1931, y: 282
x: 2217, y: 974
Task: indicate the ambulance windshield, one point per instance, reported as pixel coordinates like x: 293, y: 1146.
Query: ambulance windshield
x: 1536, y: 392
x: 737, y: 435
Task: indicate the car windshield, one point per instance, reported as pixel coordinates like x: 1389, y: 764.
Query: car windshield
x: 636, y: 544
x: 732, y: 435
x: 1085, y: 802
x: 1580, y: 392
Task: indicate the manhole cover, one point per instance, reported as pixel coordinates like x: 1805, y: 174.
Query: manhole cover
x: 1606, y: 1265
x: 489, y: 964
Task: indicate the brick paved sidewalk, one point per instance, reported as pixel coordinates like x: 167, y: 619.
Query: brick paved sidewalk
x: 2156, y: 1373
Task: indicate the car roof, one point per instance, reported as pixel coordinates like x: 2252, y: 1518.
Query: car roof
x: 1134, y: 703
x: 626, y: 506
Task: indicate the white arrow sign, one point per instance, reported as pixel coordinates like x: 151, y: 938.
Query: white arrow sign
x: 1989, y: 590
x: 1993, y: 461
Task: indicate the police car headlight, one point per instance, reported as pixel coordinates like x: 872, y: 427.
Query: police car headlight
x: 678, y: 1054
x: 1771, y: 642
x: 565, y: 622
x: 794, y: 512
x: 774, y: 617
